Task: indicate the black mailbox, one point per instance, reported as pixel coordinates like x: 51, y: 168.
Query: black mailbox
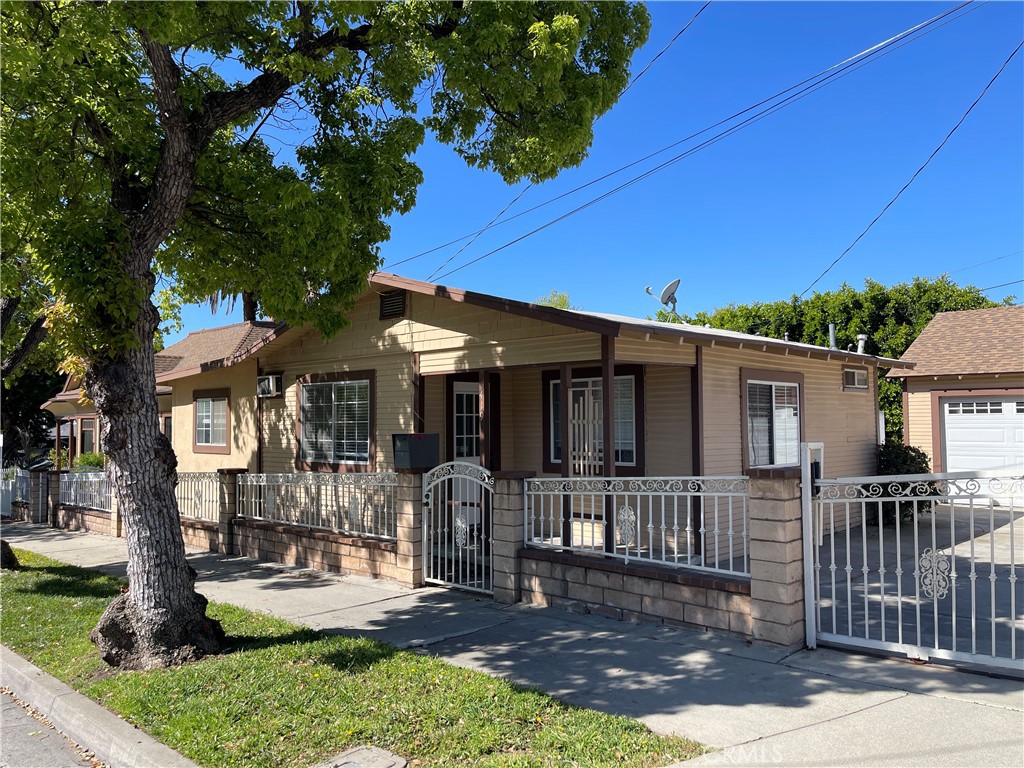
x: 416, y: 451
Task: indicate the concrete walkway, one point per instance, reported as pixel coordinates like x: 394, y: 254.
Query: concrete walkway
x: 760, y: 706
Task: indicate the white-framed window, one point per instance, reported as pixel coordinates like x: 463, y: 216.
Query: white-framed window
x: 773, y: 423
x: 978, y: 407
x: 855, y: 378
x: 88, y: 439
x: 335, y: 420
x: 587, y: 417
x: 212, y: 421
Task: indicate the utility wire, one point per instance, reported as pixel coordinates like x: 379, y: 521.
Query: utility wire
x: 472, y: 237
x: 917, y: 172
x: 851, y: 64
x: 864, y: 57
x: 982, y: 263
x: 1001, y: 285
x: 657, y: 56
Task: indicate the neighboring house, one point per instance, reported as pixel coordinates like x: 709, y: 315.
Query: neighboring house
x: 490, y: 375
x: 963, y: 401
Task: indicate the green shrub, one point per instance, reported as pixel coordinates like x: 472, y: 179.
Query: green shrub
x: 900, y: 459
x: 64, y: 462
x: 90, y: 459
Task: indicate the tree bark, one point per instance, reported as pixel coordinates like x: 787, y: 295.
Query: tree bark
x: 249, y: 305
x: 161, y: 620
x: 35, y: 335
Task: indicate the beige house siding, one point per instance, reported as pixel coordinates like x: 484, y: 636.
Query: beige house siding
x: 655, y: 349
x: 845, y: 421
x: 523, y: 394
x: 241, y: 380
x: 669, y: 444
x: 917, y: 422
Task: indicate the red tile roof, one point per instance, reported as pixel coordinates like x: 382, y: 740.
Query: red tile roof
x: 975, y: 341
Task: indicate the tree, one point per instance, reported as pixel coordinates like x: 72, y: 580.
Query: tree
x: 132, y: 131
x: 892, y: 317
x: 556, y: 299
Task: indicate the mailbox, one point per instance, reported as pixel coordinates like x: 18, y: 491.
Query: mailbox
x: 416, y: 451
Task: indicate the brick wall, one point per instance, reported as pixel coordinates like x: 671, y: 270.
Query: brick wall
x: 634, y: 592
x: 200, y: 534
x: 90, y: 520
x: 321, y: 550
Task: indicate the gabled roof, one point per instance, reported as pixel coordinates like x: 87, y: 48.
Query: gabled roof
x: 214, y: 348
x: 973, y: 341
x: 615, y: 325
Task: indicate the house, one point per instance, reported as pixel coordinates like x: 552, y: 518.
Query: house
x: 963, y: 401
x: 490, y: 375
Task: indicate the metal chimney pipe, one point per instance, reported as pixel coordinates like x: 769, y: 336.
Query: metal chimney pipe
x: 862, y: 339
x: 831, y: 335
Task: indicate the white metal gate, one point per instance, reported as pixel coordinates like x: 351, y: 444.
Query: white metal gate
x: 457, y: 528
x: 925, y: 566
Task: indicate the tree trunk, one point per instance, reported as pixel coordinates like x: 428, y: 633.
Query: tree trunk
x: 161, y: 620
x: 35, y: 336
x: 249, y: 307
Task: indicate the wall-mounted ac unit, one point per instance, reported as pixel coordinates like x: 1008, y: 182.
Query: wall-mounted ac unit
x: 269, y: 385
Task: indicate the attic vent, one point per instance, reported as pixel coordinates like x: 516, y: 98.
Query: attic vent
x: 392, y: 304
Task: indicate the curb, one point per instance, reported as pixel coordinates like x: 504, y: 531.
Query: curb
x: 107, y: 736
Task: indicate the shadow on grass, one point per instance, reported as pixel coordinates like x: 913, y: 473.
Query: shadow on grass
x: 345, y: 654
x: 66, y: 581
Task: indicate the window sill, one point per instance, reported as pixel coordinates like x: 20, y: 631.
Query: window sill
x: 223, y: 450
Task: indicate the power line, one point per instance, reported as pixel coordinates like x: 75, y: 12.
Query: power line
x: 851, y: 64
x: 843, y: 68
x: 1001, y: 285
x: 917, y: 172
x: 982, y: 263
x: 657, y: 56
x: 497, y: 219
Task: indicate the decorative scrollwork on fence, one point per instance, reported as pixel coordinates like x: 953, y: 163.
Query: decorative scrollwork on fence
x: 935, y: 569
x: 459, y: 469
x: 935, y: 488
x: 461, y: 530
x: 679, y: 486
x: 626, y: 524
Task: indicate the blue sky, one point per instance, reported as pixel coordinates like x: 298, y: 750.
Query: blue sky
x: 760, y: 214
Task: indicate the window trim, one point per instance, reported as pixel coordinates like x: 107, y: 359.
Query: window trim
x: 212, y: 394
x: 748, y: 375
x: 637, y: 469
x: 164, y: 416
x: 81, y: 434
x: 854, y: 387
x: 337, y: 467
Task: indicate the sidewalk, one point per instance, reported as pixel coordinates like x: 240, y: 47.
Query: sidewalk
x: 758, y: 705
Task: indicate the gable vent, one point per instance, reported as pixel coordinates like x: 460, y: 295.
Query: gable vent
x: 392, y: 304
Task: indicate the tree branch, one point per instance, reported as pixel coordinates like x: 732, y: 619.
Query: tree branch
x: 29, y: 343
x: 8, y: 305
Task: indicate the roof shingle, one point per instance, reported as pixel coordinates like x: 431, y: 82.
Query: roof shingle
x: 974, y: 341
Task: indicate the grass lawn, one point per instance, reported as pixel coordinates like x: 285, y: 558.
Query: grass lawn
x: 289, y: 696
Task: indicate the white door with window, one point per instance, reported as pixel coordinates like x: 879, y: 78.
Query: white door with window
x: 466, y: 444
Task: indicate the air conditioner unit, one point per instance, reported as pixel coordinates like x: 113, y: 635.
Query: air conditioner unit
x: 269, y: 385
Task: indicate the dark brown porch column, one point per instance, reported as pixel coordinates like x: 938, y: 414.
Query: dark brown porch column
x: 608, y: 432
x: 564, y: 383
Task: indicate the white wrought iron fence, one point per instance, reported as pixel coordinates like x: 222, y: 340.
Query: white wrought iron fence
x: 198, y: 495
x: 925, y: 565
x: 694, y: 522
x: 361, y: 504
x: 87, y: 490
x: 16, y: 484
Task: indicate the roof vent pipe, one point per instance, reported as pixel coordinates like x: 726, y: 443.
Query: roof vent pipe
x: 832, y: 336
x: 862, y: 339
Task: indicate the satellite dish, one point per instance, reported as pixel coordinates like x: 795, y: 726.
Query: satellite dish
x: 668, y: 294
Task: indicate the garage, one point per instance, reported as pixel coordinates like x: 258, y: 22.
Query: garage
x: 983, y: 433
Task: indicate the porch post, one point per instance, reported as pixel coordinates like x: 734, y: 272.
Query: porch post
x: 483, y: 427
x: 409, y: 554
x: 509, y: 533
x: 776, y: 558
x: 564, y: 384
x: 608, y: 433
x: 697, y: 440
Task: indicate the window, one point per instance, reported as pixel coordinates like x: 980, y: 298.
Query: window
x: 212, y: 414
x: 334, y: 422
x: 979, y: 407
x: 88, y: 440
x: 773, y: 423
x: 587, y: 419
x: 165, y: 425
x: 855, y: 378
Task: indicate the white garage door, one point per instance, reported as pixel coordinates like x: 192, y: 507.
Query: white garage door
x: 983, y: 434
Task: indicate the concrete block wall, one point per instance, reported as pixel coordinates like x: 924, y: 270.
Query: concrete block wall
x: 89, y: 520
x: 200, y: 534
x: 321, y: 550
x: 633, y: 592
